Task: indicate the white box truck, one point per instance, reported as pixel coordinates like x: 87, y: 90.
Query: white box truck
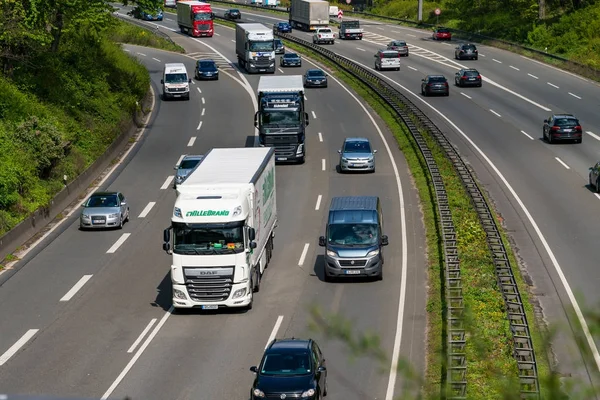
x: 255, y: 48
x: 309, y: 15
x: 222, y: 229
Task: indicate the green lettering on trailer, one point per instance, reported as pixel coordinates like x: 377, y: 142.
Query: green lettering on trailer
x: 207, y: 213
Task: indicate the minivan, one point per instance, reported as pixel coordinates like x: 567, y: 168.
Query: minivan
x: 175, y: 82
x: 354, y: 238
x: 387, y: 59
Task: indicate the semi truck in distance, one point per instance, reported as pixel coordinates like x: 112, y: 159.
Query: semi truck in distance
x: 195, y: 18
x: 222, y: 229
x: 309, y: 15
x: 281, y: 118
x: 255, y: 48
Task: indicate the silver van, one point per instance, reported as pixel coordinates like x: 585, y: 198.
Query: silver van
x: 387, y: 59
x: 354, y: 238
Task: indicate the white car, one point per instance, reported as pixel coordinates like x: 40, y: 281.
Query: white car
x: 324, y: 35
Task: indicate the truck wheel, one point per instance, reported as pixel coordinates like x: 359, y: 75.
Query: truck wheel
x: 256, y: 287
x: 249, y: 306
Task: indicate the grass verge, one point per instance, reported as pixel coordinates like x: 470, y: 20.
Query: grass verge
x: 491, y: 366
x: 125, y: 32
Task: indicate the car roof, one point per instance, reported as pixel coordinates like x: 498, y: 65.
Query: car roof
x: 470, y: 69
x: 398, y: 41
x: 467, y: 44
x: 205, y: 60
x: 356, y: 139
x: 288, y: 344
x: 387, y: 51
x: 315, y: 70
x: 564, y: 116
x: 105, y: 193
x: 291, y: 54
x: 436, y: 76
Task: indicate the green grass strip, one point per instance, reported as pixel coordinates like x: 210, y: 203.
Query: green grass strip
x: 125, y: 32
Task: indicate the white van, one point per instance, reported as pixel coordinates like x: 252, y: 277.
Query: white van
x: 175, y: 82
x: 387, y: 59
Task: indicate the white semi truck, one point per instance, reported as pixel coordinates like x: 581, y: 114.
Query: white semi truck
x: 255, y: 48
x: 309, y: 15
x: 222, y: 229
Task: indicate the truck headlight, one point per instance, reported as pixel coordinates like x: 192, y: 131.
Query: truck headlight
x: 331, y: 253
x: 300, y: 149
x: 178, y: 294
x: 239, y: 293
x: 373, y: 253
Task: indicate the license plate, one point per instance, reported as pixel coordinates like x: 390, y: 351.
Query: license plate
x: 281, y: 158
x: 352, y: 272
x: 262, y: 70
x: 99, y: 221
x: 568, y: 130
x: 176, y: 95
x: 210, y: 307
x: 471, y: 79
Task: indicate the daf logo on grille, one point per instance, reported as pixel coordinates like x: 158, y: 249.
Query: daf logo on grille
x: 215, y: 272
x: 283, y: 396
x: 352, y: 262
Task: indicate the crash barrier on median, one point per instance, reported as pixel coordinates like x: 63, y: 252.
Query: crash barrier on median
x: 411, y: 115
x: 145, y: 25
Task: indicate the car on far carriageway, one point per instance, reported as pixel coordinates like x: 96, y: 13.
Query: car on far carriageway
x: 315, y: 78
x: 467, y: 77
x: 400, y: 46
x: 233, y: 13
x: 282, y: 27
x: 104, y: 210
x: 183, y: 169
x: 561, y: 127
x: 435, y: 84
x: 466, y: 51
x: 206, y: 69
x: 156, y: 15
x: 290, y: 60
x: 442, y: 34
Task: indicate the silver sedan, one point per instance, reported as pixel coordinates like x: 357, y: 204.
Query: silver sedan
x: 104, y: 210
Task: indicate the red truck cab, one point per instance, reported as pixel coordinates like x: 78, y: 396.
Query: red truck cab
x: 195, y: 18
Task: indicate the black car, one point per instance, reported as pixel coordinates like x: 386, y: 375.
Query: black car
x: 206, y: 69
x: 233, y: 13
x: 562, y: 127
x: 315, y: 78
x: 279, y: 47
x: 435, y: 84
x: 466, y: 52
x: 290, y: 60
x: 290, y: 368
x: 467, y: 77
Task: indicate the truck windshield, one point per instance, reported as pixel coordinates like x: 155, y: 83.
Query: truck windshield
x: 353, y: 234
x: 203, y: 16
x: 176, y: 78
x: 206, y: 239
x: 280, y: 117
x: 262, y: 46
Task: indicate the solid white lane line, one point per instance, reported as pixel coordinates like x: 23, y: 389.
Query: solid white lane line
x: 515, y: 68
x: 593, y: 135
x: 596, y: 194
x: 528, y: 135
x: 17, y: 346
x: 199, y: 90
x: 137, y: 355
x: 495, y: 113
x: 323, y: 164
x: 413, y: 68
x: 127, y: 50
x: 533, y: 76
x: 562, y: 162
x: 499, y: 62
x: 156, y: 59
x: 69, y: 295
x: 303, y: 255
x: 147, y: 209
x: 139, y: 339
x: 553, y: 85
x: 314, y: 115
x: 280, y: 70
x: 141, y: 54
x: 192, y: 141
x: 320, y: 137
x: 118, y: 243
x: 318, y: 205
x: 203, y: 110
x: 466, y: 95
x: 199, y: 126
x: 574, y: 95
x: 358, y: 48
x: 273, y: 334
x: 167, y: 182
x: 203, y: 101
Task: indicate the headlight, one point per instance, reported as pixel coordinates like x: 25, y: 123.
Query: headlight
x: 178, y: 178
x: 113, y: 215
x: 83, y: 216
x: 239, y: 293
x: 373, y: 253
x: 258, y: 393
x: 179, y: 294
x: 331, y: 253
x: 344, y: 159
x: 309, y: 393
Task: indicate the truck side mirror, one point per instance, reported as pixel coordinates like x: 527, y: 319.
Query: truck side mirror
x: 384, y: 240
x: 189, y: 81
x: 251, y: 234
x: 306, y: 118
x: 162, y: 81
x: 167, y: 235
x: 374, y: 151
x: 545, y: 121
x: 256, y: 119
x: 252, y: 245
x: 212, y: 15
x: 322, y: 241
x: 167, y: 247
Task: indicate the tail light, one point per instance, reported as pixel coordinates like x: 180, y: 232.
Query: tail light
x: 578, y: 128
x: 555, y: 128
x: 405, y: 47
x: 319, y: 36
x: 478, y: 76
x: 446, y: 84
x: 463, y: 77
x: 475, y: 51
x: 381, y: 56
x: 398, y: 55
x: 462, y: 51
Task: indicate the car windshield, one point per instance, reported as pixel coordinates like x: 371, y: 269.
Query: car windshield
x: 286, y: 364
x: 290, y: 55
x: 202, y: 16
x: 315, y: 73
x: 398, y: 43
x: 283, y: 24
x: 469, y: 47
x: 565, y: 122
x: 103, y: 201
x: 176, y: 78
x: 471, y: 73
x: 443, y: 30
x: 280, y: 117
x: 188, y: 164
x: 324, y: 30
x: 234, y: 10
x: 352, y: 234
x: 262, y: 46
x: 437, y: 79
x: 278, y: 43
x: 206, y: 64
x: 357, y: 147
x: 208, y: 238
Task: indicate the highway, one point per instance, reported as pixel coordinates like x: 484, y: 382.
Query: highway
x: 89, y: 314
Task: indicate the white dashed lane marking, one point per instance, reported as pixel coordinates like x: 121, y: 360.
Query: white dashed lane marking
x: 533, y: 76
x: 526, y: 134
x: 498, y: 61
x: 574, y: 95
x: 413, y: 68
x: 553, y: 85
x: 73, y: 291
x: 320, y: 137
x: 147, y: 210
x: 515, y: 68
x: 593, y: 135
x: 562, y: 162
x: 466, y: 95
x: 167, y: 182
x: 17, y: 346
x: 118, y: 243
x: 303, y: 255
x: 318, y: 205
x: 156, y: 59
x: 495, y: 113
x: 314, y: 115
x: 192, y: 141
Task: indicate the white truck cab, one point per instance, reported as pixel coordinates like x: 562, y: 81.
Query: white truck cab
x: 175, y: 82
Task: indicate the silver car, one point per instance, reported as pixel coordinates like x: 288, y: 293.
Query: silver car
x: 187, y: 164
x: 104, y: 210
x: 357, y: 154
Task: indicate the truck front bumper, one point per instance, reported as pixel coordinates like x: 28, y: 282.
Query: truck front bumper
x: 181, y: 298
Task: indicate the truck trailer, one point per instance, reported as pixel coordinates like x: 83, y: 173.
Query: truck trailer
x: 222, y: 229
x: 308, y: 15
x: 255, y: 48
x: 281, y: 118
x: 195, y: 18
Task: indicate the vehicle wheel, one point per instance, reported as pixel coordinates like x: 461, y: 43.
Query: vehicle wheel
x: 544, y: 135
x: 425, y: 93
x: 380, y: 275
x: 325, y: 388
x: 480, y: 85
x: 256, y: 287
x: 249, y: 306
x: 121, y: 223
x: 422, y: 92
x: 127, y: 218
x: 550, y: 140
x: 375, y: 66
x: 477, y: 58
x: 598, y: 186
x: 325, y: 86
x: 455, y: 57
x: 447, y: 93
x: 455, y: 82
x: 397, y: 69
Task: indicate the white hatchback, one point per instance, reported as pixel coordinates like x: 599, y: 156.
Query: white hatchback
x: 387, y: 59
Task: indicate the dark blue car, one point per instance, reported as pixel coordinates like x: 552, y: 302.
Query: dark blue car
x: 155, y: 16
x: 283, y: 27
x: 206, y: 69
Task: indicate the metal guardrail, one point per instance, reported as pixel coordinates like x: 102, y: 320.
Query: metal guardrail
x: 146, y: 25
